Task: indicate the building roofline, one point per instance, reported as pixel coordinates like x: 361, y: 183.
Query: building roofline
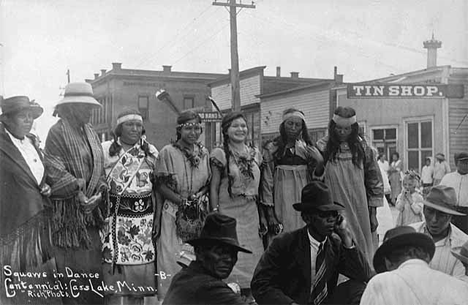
x: 321, y: 83
x: 227, y: 78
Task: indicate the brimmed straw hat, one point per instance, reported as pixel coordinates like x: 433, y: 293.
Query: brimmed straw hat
x: 443, y: 198
x: 78, y: 93
x: 17, y: 103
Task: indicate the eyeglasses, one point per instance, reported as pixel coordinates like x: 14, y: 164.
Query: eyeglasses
x: 328, y: 214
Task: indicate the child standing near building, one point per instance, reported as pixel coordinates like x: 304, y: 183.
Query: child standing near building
x: 409, y: 202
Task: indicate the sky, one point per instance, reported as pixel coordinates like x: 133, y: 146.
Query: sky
x: 365, y: 39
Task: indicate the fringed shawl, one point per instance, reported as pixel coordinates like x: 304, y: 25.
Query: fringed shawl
x: 64, y: 163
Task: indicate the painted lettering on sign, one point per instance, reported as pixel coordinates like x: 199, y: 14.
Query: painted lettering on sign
x: 210, y: 116
x: 404, y: 91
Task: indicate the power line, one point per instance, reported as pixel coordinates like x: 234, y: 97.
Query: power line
x: 173, y: 40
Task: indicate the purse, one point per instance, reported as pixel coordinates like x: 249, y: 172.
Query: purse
x: 190, y: 218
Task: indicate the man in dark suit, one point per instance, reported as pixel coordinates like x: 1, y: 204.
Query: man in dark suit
x: 302, y: 266
x: 216, y: 254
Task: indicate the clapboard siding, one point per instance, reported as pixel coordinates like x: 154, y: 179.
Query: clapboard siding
x: 315, y: 106
x: 249, y: 88
x: 458, y: 124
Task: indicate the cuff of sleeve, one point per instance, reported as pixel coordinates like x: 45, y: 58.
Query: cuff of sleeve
x: 353, y: 246
x: 268, y: 204
x: 318, y: 177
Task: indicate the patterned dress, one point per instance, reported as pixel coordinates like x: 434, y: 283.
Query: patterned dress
x: 358, y: 189
x: 128, y: 250
x: 185, y: 174
x: 241, y: 206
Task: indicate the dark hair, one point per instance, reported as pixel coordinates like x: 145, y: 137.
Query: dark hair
x: 115, y: 147
x: 184, y: 117
x: 399, y: 255
x: 355, y: 140
x: 395, y: 154
x: 282, y: 140
x: 225, y: 124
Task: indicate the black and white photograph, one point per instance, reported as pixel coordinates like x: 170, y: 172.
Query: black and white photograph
x: 172, y: 152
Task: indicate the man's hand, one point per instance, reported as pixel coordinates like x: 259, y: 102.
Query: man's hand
x: 46, y: 190
x: 341, y: 228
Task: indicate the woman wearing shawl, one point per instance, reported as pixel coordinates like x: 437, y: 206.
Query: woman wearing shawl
x: 128, y: 250
x: 353, y: 176
x: 234, y: 192
x: 25, y: 240
x: 74, y: 162
x: 289, y: 165
x: 183, y: 176
x: 395, y: 173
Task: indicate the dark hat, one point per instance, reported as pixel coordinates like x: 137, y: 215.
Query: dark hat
x: 444, y: 199
x: 316, y: 196
x: 218, y: 228
x: 399, y: 237
x: 461, y: 156
x: 461, y: 253
x: 18, y: 103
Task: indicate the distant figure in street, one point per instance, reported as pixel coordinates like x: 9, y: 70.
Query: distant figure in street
x: 459, y: 181
x: 216, y: 254
x: 405, y: 277
x: 427, y: 173
x: 384, y: 168
x: 410, y: 202
x: 439, y: 208
x: 302, y: 266
x: 441, y: 168
x: 395, y: 176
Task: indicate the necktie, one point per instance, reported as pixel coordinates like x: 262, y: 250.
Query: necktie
x: 319, y: 288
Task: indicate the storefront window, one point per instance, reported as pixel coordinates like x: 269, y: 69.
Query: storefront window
x: 419, y: 143
x: 384, y: 139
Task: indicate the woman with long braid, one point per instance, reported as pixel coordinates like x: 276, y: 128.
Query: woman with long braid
x: 183, y: 176
x: 234, y: 192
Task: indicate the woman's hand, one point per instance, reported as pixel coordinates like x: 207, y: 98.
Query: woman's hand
x: 263, y: 226
x: 274, y: 226
x: 90, y: 204
x: 315, y: 153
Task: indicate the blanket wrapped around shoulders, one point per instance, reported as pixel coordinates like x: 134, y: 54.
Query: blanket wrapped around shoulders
x: 64, y: 161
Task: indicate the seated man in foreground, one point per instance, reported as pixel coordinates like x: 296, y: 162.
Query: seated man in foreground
x: 216, y: 254
x: 302, y: 266
x: 405, y: 277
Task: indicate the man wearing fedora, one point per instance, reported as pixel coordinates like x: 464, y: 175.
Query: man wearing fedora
x: 459, y: 181
x: 302, y: 266
x: 216, y: 254
x: 404, y: 275
x: 439, y: 208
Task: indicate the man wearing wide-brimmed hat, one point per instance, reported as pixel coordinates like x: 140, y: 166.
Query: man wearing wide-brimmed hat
x: 75, y: 164
x: 216, y: 254
x: 439, y: 208
x: 459, y: 181
x: 302, y: 266
x: 405, y: 277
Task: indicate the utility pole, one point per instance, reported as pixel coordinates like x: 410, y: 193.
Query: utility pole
x: 68, y: 75
x: 235, y: 86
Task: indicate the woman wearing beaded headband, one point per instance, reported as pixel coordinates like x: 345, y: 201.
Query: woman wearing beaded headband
x: 183, y: 176
x: 353, y: 176
x: 128, y: 250
x: 289, y: 164
x: 234, y: 192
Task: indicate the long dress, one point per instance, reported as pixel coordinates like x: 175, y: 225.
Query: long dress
x: 396, y: 168
x: 127, y: 243
x: 185, y: 175
x: 357, y: 188
x: 245, y: 176
x: 25, y: 238
x: 283, y: 180
x: 73, y: 153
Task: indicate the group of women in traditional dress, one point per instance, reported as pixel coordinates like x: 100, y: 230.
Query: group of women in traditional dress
x: 124, y: 211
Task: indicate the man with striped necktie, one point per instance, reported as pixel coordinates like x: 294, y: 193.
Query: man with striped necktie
x: 302, y: 266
